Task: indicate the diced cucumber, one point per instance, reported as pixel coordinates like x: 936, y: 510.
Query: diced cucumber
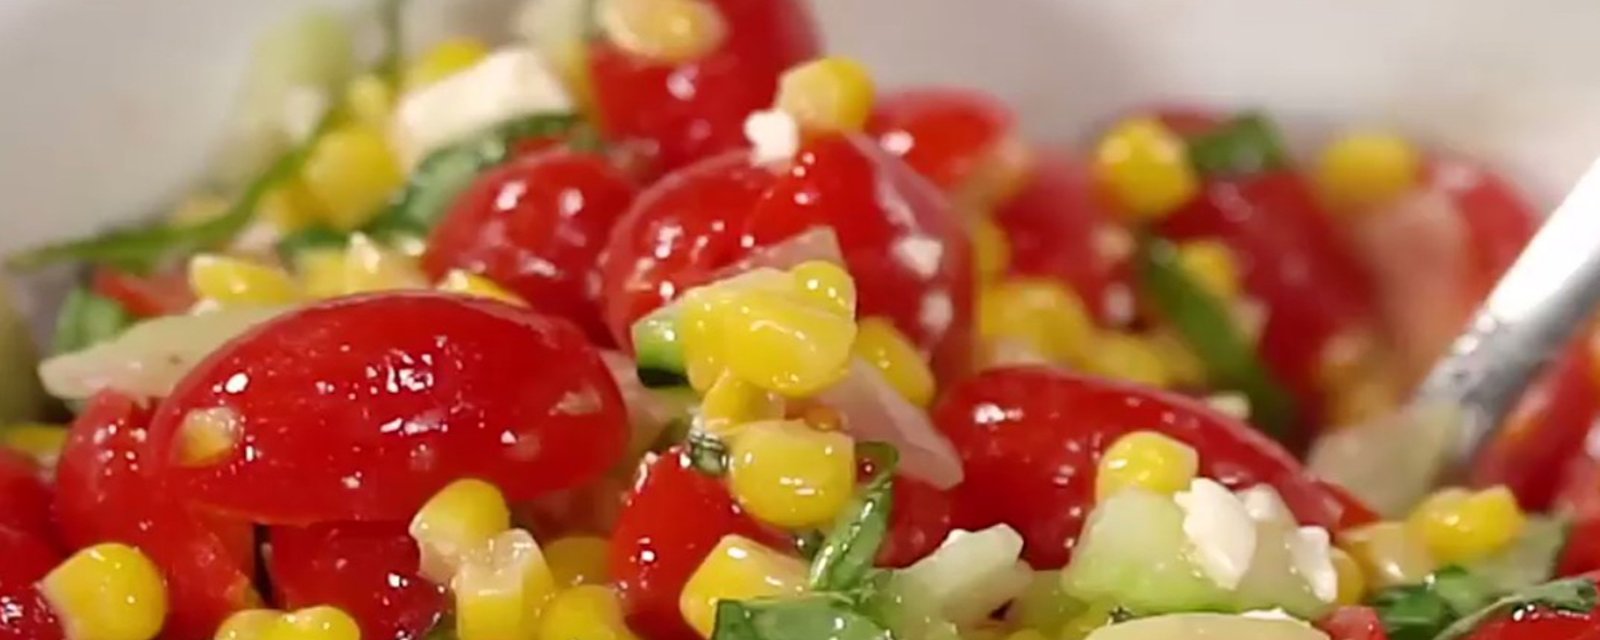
x: 972, y: 574
x: 1194, y: 626
x: 1133, y: 552
x: 657, y: 352
x: 1044, y: 605
x: 1245, y: 145
x: 1529, y: 561
x: 1272, y: 581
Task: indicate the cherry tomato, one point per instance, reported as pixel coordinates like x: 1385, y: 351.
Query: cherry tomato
x: 1579, y: 497
x: 955, y: 137
x: 27, y: 556
x: 919, y: 520
x: 24, y: 497
x: 1543, y: 433
x: 25, y: 615
x: 670, y: 521
x: 536, y: 225
x: 1187, y: 120
x: 361, y: 408
x: 145, y: 296
x: 107, y: 490
x: 1498, y: 219
x: 368, y: 569
x: 1353, y: 623
x: 697, y: 109
x: 1030, y: 439
x: 1540, y: 623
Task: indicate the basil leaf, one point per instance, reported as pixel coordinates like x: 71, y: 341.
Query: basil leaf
x: 808, y: 543
x: 310, y: 238
x: 1245, y: 145
x: 847, y: 553
x: 1206, y: 326
x: 87, y: 319
x: 1530, y: 560
x: 806, y: 618
x: 1419, y: 612
x: 708, y: 453
x: 1571, y: 595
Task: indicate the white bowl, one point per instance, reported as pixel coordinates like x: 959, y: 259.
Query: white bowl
x: 107, y: 107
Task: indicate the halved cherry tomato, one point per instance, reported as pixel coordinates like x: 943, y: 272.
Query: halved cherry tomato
x: 958, y: 138
x: 24, y: 497
x: 1353, y: 623
x: 536, y: 225
x: 1499, y: 221
x: 697, y: 109
x: 1546, y: 431
x: 25, y: 615
x: 107, y: 490
x: 368, y: 569
x: 361, y: 408
x: 1579, y: 497
x: 919, y: 520
x: 670, y: 521
x: 145, y: 296
x: 1030, y: 439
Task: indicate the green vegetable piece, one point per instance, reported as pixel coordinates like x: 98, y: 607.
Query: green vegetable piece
x: 806, y: 618
x: 1570, y: 595
x: 846, y: 554
x: 87, y: 319
x: 1245, y: 145
x: 1528, y: 561
x: 708, y: 453
x: 310, y: 238
x: 1206, y: 326
x: 1134, y: 552
x: 658, y: 353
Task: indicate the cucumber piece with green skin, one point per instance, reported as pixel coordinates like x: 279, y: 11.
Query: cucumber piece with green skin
x: 1134, y: 552
x: 1272, y: 581
x: 1530, y: 560
x: 657, y: 352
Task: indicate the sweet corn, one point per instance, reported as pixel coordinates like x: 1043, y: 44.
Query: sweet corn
x: 321, y: 272
x: 289, y: 207
x: 249, y: 624
x: 1039, y: 314
x: 791, y: 475
x: 1124, y: 356
x: 370, y: 100
x: 884, y: 347
x: 198, y: 208
x: 1147, y: 460
x: 369, y: 266
x: 670, y: 31
x: 737, y: 569
x: 472, y: 284
x: 351, y: 173
x: 1461, y: 526
x: 502, y: 588
x: 780, y: 344
x: 314, y: 623
x: 108, y: 591
x: 1352, y: 582
x: 826, y: 285
x: 588, y: 612
x: 1146, y: 168
x: 1389, y: 553
x: 828, y: 94
x: 42, y: 442
x: 1183, y: 366
x: 732, y: 402
x: 462, y: 517
x: 990, y: 248
x: 206, y: 435
x: 1213, y: 265
x: 1366, y: 169
x: 443, y: 60
x: 576, y: 560
x: 232, y: 281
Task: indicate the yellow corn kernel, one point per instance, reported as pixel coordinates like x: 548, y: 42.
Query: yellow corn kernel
x: 588, y: 612
x: 250, y: 624
x: 234, y: 281
x: 314, y: 623
x: 445, y: 59
x: 884, y: 347
x: 1041, y: 315
x: 1124, y: 356
x: 42, y: 442
x: 1366, y: 169
x: 198, y: 208
x: 1213, y: 266
x: 1146, y: 168
x: 1461, y: 526
x: 576, y: 560
x: 351, y: 173
x: 1352, y: 581
x: 369, y: 100
x: 791, y: 475
x: 827, y: 285
x: 472, y: 284
x: 206, y: 435
x: 459, y: 518
x: 108, y: 591
x: 732, y: 402
x: 737, y: 569
x: 502, y: 588
x: 991, y: 249
x: 1184, y: 367
x: 369, y: 266
x: 1147, y: 460
x: 669, y: 31
x: 1027, y: 634
x: 1389, y: 553
x: 828, y: 94
x: 776, y: 342
x: 321, y: 272
x: 289, y: 206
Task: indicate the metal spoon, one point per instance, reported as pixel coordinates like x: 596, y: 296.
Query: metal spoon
x: 1535, y: 309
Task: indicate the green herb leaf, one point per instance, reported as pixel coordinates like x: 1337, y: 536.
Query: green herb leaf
x: 1570, y: 595
x: 1530, y: 560
x: 846, y: 554
x: 808, y: 618
x: 808, y: 543
x: 1245, y: 145
x: 708, y: 453
x: 1419, y: 612
x: 444, y: 629
x: 87, y: 319
x: 310, y: 238
x: 1206, y: 326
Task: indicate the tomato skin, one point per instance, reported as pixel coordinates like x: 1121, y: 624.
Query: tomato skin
x: 697, y: 109
x: 1032, y: 436
x: 368, y: 569
x: 362, y: 408
x: 145, y: 296
x: 1499, y: 220
x: 24, y: 497
x: 1548, y: 425
x: 1541, y: 624
x: 670, y: 521
x: 943, y: 133
x: 918, y: 523
x: 536, y: 226
x: 27, y: 556
x: 1353, y: 623
x: 25, y: 615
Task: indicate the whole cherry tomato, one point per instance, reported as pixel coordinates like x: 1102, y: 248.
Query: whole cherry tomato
x: 361, y: 408
x: 107, y: 490
x: 963, y: 140
x: 1030, y: 440
x: 536, y: 225
x: 25, y: 615
x: 145, y: 296
x: 670, y: 521
x: 696, y: 109
x: 1353, y: 623
x: 367, y: 569
x: 24, y: 497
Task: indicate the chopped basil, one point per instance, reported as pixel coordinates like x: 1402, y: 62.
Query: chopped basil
x: 1247, y: 144
x: 1454, y: 601
x: 808, y: 543
x: 87, y: 319
x: 847, y: 553
x: 310, y: 238
x: 806, y: 618
x: 1570, y: 595
x: 708, y: 453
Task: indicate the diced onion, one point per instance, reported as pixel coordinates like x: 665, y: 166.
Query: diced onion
x: 150, y: 357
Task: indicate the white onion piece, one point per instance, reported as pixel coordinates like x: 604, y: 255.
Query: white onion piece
x: 148, y: 359
x: 971, y: 574
x: 873, y: 410
x: 649, y: 412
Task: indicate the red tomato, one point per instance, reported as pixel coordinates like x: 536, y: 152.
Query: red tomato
x: 919, y: 521
x: 1030, y: 439
x: 24, y: 497
x: 148, y: 296
x: 106, y: 490
x: 367, y: 569
x: 536, y: 225
x: 670, y: 521
x: 361, y: 408
x: 25, y: 615
x: 1057, y: 227
x: 1579, y: 497
x: 1541, y: 624
x: 1547, y: 429
x: 1353, y: 623
x: 1498, y: 219
x: 1187, y: 120
x: 958, y: 138
x: 697, y: 109
x: 27, y: 556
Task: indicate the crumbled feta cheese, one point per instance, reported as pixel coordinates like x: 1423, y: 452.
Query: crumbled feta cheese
x: 1235, y: 405
x: 773, y: 134
x: 1309, y: 550
x: 1264, y: 504
x: 920, y: 253
x: 511, y: 82
x: 1220, y: 530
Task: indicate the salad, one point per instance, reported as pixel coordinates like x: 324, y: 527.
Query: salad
x: 657, y: 321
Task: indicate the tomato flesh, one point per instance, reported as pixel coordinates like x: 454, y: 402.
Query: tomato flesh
x: 24, y: 497
x: 369, y: 570
x: 1499, y: 221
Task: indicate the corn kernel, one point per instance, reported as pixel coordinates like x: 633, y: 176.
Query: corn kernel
x: 1038, y: 314
x: 1366, y: 169
x: 369, y: 100
x: 207, y: 435
x: 1124, y: 356
x: 289, y: 206
x: 502, y: 588
x: 1027, y: 634
x: 459, y: 518
x: 791, y: 475
x: 1183, y: 366
x: 250, y: 624
x: 732, y: 402
x: 1146, y: 168
x: 1213, y: 266
x: 828, y: 94
x: 670, y: 31
x: 1461, y: 526
x: 369, y: 266
x: 235, y: 282
x: 589, y: 612
x: 779, y: 344
x: 737, y: 569
x: 107, y: 592
x: 576, y: 560
x: 321, y: 272
x: 198, y: 208
x: 314, y: 623
x: 991, y: 249
x: 827, y: 285
x: 884, y: 347
x: 1352, y: 581
x: 1147, y: 460
x: 351, y: 173
x: 472, y: 284
x: 443, y: 60
x: 42, y: 442
x: 1389, y: 553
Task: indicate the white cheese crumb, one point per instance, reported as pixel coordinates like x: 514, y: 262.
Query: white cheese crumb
x: 920, y: 253
x: 774, y: 136
x: 1235, y: 405
x: 936, y: 312
x: 1220, y: 530
x: 1264, y: 504
x: 511, y: 82
x: 1309, y: 550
